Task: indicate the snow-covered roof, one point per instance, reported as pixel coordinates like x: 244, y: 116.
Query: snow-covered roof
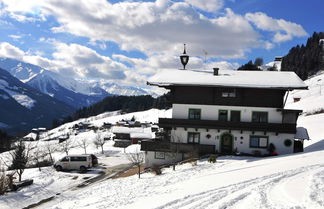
x: 301, y: 133
x: 228, y: 78
x: 141, y: 135
x: 123, y: 129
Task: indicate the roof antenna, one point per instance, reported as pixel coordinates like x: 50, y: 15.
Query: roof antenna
x: 205, y: 59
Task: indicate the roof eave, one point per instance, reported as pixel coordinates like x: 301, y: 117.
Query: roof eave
x: 165, y: 85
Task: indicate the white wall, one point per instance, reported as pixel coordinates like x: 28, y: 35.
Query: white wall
x: 151, y: 161
x: 241, y: 140
x: 210, y: 112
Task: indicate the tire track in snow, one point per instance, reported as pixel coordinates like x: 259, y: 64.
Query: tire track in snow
x: 231, y: 196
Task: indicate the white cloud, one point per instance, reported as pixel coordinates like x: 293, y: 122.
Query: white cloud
x: 15, y: 37
x: 8, y: 50
x: 207, y: 5
x: 284, y: 30
x: 70, y: 59
x: 151, y: 27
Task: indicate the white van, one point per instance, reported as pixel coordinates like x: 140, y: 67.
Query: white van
x: 74, y: 162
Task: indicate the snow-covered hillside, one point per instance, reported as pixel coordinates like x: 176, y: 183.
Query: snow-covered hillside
x: 311, y: 100
x: 284, y: 181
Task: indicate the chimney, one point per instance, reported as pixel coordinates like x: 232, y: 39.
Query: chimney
x: 216, y: 69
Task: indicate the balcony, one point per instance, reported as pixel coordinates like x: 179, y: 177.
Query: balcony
x: 165, y: 146
x: 228, y: 125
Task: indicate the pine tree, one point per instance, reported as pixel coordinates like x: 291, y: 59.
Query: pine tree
x: 19, y: 159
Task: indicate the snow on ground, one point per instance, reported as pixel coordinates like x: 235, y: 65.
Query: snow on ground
x: 286, y: 181
x: 291, y: 181
x: 47, y: 183
x: 310, y: 100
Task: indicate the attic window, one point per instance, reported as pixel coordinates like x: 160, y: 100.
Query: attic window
x: 229, y: 92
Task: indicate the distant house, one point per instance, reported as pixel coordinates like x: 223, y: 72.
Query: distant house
x: 82, y: 125
x: 137, y: 137
x: 225, y: 112
x: 128, y: 135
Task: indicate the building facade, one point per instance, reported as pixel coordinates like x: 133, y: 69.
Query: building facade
x: 225, y: 112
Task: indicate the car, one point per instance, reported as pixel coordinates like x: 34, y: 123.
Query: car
x: 94, y: 160
x: 75, y: 162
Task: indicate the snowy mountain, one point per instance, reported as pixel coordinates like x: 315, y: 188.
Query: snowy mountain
x: 70, y: 91
x: 124, y: 90
x: 23, y: 107
x: 75, y: 92
x: 21, y: 70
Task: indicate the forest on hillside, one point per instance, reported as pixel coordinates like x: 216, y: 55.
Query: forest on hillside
x: 305, y: 60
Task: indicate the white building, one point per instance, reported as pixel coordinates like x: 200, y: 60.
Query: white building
x: 226, y: 112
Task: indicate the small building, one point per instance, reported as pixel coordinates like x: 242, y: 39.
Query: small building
x: 225, y: 112
x: 138, y: 137
x: 82, y: 125
x: 127, y: 135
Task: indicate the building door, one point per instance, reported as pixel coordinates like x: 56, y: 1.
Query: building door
x: 227, y: 143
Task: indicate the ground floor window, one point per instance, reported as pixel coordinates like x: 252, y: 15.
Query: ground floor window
x: 193, y: 138
x: 159, y: 155
x: 258, y: 141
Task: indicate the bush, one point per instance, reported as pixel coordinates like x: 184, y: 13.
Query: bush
x: 212, y: 158
x: 156, y: 170
x: 41, y: 163
x: 194, y: 163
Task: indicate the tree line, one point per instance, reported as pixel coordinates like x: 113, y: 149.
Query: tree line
x: 305, y: 60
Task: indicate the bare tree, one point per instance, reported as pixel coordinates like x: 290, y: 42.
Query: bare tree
x: 84, y: 143
x: 20, y: 157
x: 50, y: 148
x: 66, y: 146
x: 4, y: 181
x: 137, y: 158
x: 38, y: 156
x: 175, y: 150
x: 99, y: 141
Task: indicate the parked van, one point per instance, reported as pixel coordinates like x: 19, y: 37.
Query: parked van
x: 74, y: 162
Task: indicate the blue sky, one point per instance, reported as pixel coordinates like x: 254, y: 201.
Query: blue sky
x: 129, y: 41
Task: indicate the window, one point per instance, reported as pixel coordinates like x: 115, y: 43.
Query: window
x: 159, y: 155
x: 65, y: 159
x: 193, y: 138
x: 260, y: 117
x: 222, y: 115
x: 259, y: 141
x: 235, y: 116
x: 194, y: 114
x: 78, y: 158
x: 229, y: 93
x: 287, y: 142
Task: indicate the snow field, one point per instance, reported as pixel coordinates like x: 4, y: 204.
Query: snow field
x: 232, y: 182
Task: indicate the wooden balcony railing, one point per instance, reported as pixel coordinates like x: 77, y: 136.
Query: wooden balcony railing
x: 229, y: 125
x: 165, y: 146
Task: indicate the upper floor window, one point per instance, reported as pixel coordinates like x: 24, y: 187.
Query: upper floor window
x: 222, y: 115
x: 230, y: 92
x: 194, y: 114
x: 193, y: 137
x: 260, y: 117
x: 235, y: 116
